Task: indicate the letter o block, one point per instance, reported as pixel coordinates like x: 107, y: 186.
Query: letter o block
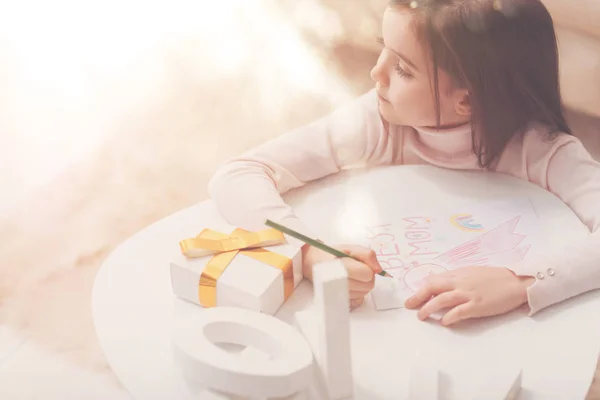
x: 286, y: 370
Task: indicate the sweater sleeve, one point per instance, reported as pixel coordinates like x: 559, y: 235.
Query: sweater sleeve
x: 247, y: 189
x: 574, y: 176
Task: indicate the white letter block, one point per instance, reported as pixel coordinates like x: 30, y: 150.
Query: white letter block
x: 249, y: 353
x: 213, y: 395
x: 280, y: 367
x: 503, y: 384
x: 252, y: 354
x: 330, y: 281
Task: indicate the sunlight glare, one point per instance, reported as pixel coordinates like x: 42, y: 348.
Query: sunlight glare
x: 359, y: 211
x: 75, y: 69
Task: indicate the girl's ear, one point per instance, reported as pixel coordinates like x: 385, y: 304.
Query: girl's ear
x: 463, y: 103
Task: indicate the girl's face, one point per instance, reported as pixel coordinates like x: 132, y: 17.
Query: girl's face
x: 404, y: 79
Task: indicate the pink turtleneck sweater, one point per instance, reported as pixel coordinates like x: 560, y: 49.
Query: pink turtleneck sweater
x: 354, y: 136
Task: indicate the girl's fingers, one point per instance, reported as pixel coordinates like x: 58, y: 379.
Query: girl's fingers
x: 362, y: 287
x: 356, y: 302
x: 440, y: 302
x: 459, y: 313
x: 356, y: 295
x: 436, y: 285
x: 358, y: 271
x: 365, y: 256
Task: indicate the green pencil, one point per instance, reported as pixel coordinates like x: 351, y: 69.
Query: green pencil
x: 314, y: 243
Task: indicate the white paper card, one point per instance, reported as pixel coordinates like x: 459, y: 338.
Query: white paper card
x: 490, y: 234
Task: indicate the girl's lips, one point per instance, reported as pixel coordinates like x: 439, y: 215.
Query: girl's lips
x: 381, y: 97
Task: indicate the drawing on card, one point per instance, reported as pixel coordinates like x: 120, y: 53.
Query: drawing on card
x: 411, y: 252
x: 465, y: 222
x: 501, y: 241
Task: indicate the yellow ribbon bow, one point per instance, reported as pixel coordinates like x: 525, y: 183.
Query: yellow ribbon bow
x: 224, y: 248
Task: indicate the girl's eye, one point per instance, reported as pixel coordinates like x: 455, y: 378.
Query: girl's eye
x: 402, y: 72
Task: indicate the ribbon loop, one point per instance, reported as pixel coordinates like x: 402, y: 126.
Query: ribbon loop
x: 224, y: 248
x: 210, y: 242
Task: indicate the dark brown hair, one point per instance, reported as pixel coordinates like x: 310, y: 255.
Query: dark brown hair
x: 504, y: 52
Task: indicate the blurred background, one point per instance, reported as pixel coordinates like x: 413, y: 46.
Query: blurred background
x: 114, y: 114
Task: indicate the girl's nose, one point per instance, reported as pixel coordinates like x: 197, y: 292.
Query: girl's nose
x: 378, y: 73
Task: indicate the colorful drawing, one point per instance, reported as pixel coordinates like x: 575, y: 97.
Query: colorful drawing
x: 465, y: 222
x: 500, y: 246
x: 483, y: 249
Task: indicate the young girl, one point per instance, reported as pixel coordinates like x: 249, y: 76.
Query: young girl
x: 462, y: 84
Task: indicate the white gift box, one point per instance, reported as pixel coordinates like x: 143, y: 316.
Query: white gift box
x: 245, y: 282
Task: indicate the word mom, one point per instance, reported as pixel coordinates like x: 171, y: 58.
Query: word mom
x: 418, y: 234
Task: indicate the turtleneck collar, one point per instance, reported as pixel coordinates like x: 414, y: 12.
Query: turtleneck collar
x: 451, y: 141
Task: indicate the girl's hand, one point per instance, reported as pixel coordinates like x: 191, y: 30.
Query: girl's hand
x: 470, y: 292
x: 361, y: 269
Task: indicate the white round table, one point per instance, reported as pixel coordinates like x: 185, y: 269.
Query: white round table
x: 134, y: 308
